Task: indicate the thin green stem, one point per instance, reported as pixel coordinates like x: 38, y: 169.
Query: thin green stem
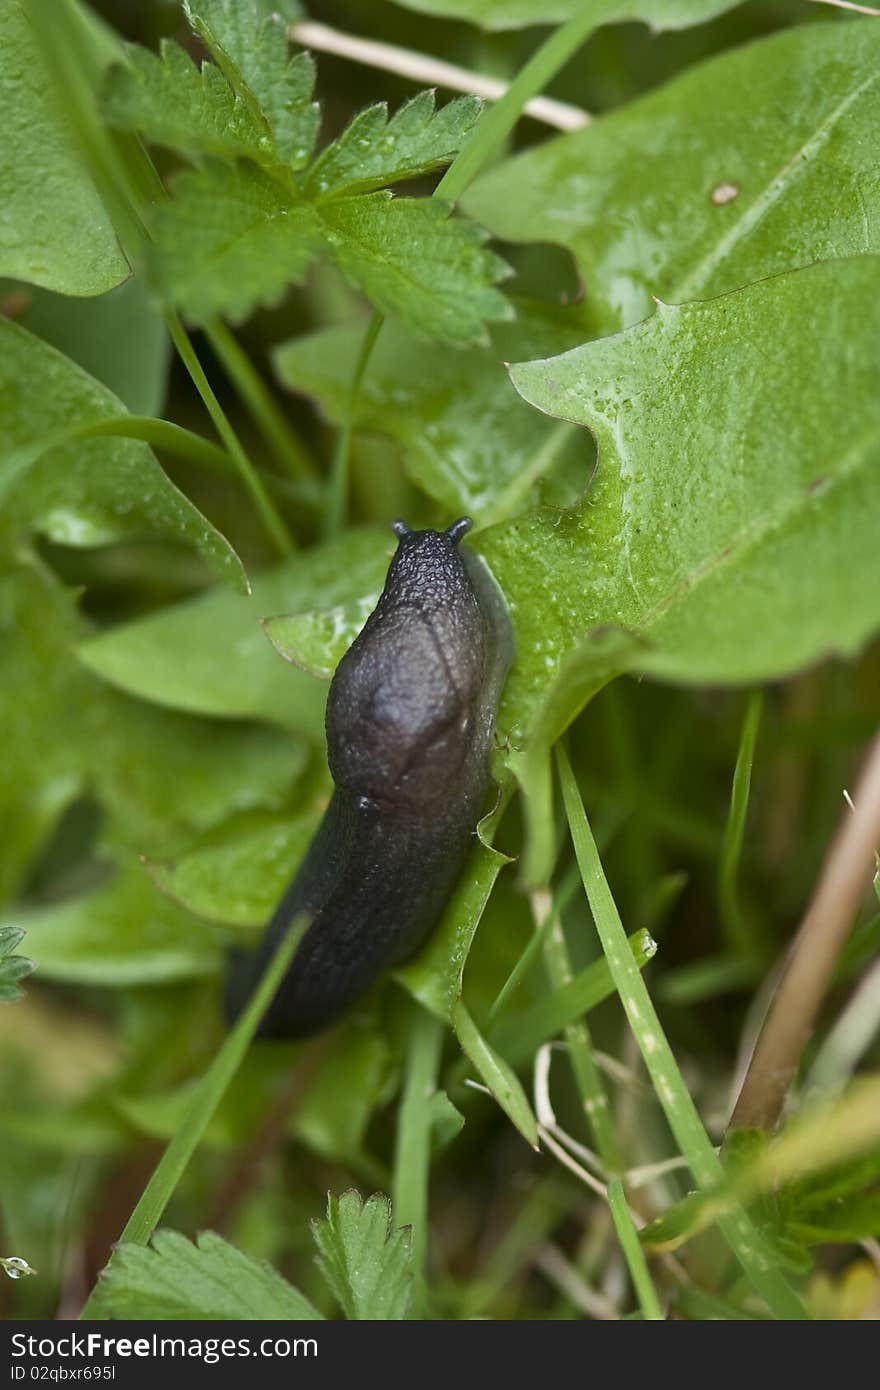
x: 412, y: 1149
x: 270, y: 515
x: 738, y: 936
x: 633, y: 1252
x: 258, y: 399
x: 672, y: 1093
x: 209, y: 1093
x: 337, y: 492
x: 497, y: 121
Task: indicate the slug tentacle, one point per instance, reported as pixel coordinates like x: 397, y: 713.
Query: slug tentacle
x: 410, y: 721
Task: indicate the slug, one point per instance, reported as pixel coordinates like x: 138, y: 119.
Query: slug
x: 410, y: 721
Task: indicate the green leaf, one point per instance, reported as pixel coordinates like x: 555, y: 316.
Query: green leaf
x: 374, y: 150
x: 434, y: 978
x: 54, y: 229
x: 230, y: 239
x: 125, y: 933
x: 468, y: 440
x: 517, y: 14
x: 518, y: 1035
x: 756, y: 162
x: 366, y: 1263
x: 498, y: 1076
x: 349, y: 1082
x: 86, y: 491
x: 170, y: 101
x: 411, y: 258
x: 119, y: 338
x: 240, y: 876
x: 318, y: 639
x: 775, y: 459
x: 708, y: 548
x: 12, y: 967
x: 159, y: 777
x: 210, y: 655
x: 174, y: 1278
x: 252, y: 51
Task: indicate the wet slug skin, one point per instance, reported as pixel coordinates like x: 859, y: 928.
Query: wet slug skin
x: 410, y: 724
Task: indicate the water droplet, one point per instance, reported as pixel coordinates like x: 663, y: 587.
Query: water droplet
x: 16, y: 1267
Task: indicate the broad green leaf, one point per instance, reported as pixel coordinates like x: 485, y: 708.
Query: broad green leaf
x: 159, y: 777
x: 230, y: 239
x: 252, y: 51
x: 125, y: 933
x: 412, y: 259
x: 756, y: 162
x: 468, y: 440
x: 318, y: 639
x: 86, y: 491
x: 366, y: 1263
x: 239, y: 877
x: 210, y: 655
x: 517, y: 14
x: 730, y: 490
x: 738, y: 447
x: 171, y: 101
x: 119, y: 338
x: 498, y: 1076
x: 12, y: 967
x: 374, y: 149
x: 54, y: 230
x: 349, y: 1082
x: 209, y: 1280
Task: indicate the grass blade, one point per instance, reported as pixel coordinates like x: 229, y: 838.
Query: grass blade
x: 208, y: 1095
x: 412, y: 1148
x: 672, y: 1093
x: 633, y: 1252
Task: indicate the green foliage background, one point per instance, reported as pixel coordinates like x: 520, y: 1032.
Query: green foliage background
x: 243, y: 327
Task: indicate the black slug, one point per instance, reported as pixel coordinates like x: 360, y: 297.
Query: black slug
x: 410, y: 720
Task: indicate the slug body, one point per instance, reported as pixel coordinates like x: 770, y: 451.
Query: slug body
x: 410, y: 721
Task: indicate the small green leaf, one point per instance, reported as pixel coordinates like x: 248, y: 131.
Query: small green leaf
x: 174, y: 1278
x: 252, y: 52
x: 172, y: 102
x: 374, y: 150
x: 412, y: 259
x: 119, y: 338
x: 238, y: 878
x: 230, y: 239
x: 85, y: 491
x: 469, y: 441
x: 210, y: 654
x: 12, y: 967
x: 317, y: 640
x: 125, y: 933
x: 54, y: 229
x: 366, y: 1263
x: 497, y: 1075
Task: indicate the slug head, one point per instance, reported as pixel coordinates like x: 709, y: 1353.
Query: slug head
x: 406, y: 714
